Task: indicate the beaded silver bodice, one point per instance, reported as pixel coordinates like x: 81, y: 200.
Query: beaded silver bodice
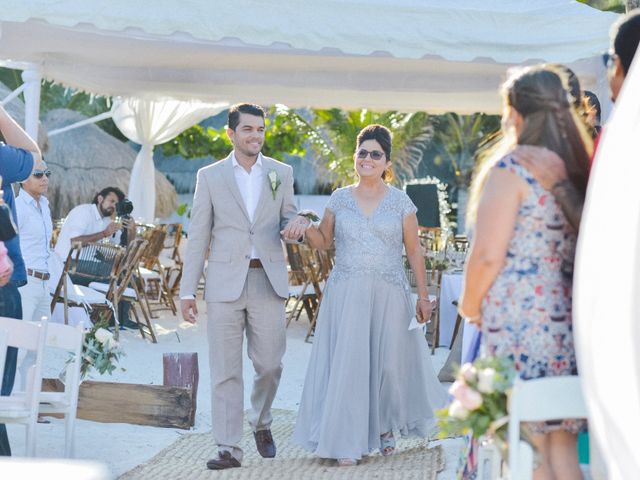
x: 370, y: 245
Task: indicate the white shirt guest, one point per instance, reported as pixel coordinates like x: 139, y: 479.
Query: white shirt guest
x: 35, y: 227
x: 92, y: 222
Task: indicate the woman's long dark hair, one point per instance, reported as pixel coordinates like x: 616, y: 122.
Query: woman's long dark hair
x: 549, y: 120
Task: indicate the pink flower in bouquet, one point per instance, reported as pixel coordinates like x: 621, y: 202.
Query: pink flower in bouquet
x: 4, y: 258
x: 467, y: 396
x: 468, y: 372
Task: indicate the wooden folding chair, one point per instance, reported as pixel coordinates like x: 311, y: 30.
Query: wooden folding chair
x: 91, y: 261
x: 151, y: 273
x: 300, y: 289
x: 123, y: 287
x: 434, y: 284
x: 319, y: 264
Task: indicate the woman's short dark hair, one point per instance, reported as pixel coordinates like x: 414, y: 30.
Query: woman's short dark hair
x: 382, y: 135
x: 236, y: 110
x: 106, y: 191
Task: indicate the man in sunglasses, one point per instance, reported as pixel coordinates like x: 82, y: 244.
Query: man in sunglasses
x: 17, y: 156
x: 546, y: 166
x: 35, y: 227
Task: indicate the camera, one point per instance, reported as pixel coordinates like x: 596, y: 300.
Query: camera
x: 124, y: 208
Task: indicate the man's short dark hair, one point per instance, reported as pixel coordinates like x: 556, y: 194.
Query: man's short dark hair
x: 626, y: 36
x: 237, y: 109
x: 106, y: 191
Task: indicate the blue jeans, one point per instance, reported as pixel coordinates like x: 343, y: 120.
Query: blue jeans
x: 10, y: 306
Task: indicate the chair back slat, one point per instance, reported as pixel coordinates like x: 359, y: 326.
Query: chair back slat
x: 4, y: 336
x: 21, y: 334
x: 64, y: 337
x: 536, y: 400
x: 155, y: 238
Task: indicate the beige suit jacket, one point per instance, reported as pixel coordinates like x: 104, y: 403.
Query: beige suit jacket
x: 220, y: 227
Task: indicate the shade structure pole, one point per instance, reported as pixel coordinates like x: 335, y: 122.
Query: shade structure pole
x: 32, y: 78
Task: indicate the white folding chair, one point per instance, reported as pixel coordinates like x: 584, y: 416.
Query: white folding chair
x: 4, y: 336
x: 537, y: 400
x: 70, y: 339
x: 22, y: 407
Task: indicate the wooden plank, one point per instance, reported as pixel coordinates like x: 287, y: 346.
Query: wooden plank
x: 154, y: 405
x: 181, y: 370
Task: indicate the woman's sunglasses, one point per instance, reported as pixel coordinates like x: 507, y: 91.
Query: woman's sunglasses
x: 375, y: 154
x: 41, y: 173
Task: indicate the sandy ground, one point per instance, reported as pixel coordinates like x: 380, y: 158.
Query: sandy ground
x: 122, y: 447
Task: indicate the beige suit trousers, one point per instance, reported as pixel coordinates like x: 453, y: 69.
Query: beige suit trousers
x: 260, y: 312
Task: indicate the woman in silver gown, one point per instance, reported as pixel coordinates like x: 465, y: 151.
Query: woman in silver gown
x: 369, y: 376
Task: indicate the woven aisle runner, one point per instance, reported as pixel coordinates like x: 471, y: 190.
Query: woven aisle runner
x: 186, y: 460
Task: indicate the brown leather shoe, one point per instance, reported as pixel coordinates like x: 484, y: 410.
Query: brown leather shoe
x: 224, y: 460
x: 265, y: 444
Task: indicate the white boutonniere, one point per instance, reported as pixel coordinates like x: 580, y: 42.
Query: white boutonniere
x: 274, y: 182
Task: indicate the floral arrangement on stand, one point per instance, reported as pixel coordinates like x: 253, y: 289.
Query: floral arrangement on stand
x: 480, y: 401
x: 100, y: 351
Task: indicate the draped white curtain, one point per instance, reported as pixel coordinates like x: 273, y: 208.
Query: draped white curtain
x: 607, y: 288
x: 151, y: 122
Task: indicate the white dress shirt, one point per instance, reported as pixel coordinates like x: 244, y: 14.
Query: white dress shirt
x: 250, y: 186
x: 82, y: 220
x: 34, y: 228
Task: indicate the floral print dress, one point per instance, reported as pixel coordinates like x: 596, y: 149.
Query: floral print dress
x: 526, y: 314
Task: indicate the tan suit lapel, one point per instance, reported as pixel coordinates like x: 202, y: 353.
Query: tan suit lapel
x: 266, y: 197
x: 230, y: 178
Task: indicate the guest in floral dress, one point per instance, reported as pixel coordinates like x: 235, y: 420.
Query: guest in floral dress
x: 369, y: 376
x: 518, y: 277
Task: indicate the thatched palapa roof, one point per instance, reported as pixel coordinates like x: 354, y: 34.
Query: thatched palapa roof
x: 87, y: 159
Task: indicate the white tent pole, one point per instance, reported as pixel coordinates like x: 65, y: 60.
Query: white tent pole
x: 13, y: 95
x: 32, y: 78
x: 81, y: 123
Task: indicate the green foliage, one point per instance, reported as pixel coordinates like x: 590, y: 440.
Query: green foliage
x: 53, y: 96
x: 617, y: 6
x: 198, y: 141
x: 333, y: 135
x: 100, y: 351
x: 490, y: 417
x: 457, y: 139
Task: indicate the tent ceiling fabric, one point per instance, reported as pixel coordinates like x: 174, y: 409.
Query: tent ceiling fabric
x: 431, y: 55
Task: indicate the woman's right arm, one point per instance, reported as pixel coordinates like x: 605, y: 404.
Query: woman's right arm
x: 496, y: 219
x: 321, y: 237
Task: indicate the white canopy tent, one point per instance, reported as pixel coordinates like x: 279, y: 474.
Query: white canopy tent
x: 433, y: 55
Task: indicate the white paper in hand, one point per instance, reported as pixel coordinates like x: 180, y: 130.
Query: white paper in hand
x: 413, y: 324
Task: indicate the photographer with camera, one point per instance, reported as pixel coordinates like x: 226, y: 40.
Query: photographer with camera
x: 93, y: 222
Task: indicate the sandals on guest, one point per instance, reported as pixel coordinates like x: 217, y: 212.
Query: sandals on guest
x: 347, y: 462
x: 387, y: 444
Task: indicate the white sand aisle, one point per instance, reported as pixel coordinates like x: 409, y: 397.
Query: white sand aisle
x: 123, y: 446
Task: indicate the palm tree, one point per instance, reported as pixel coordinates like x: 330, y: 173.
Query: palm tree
x: 332, y: 135
x: 457, y: 139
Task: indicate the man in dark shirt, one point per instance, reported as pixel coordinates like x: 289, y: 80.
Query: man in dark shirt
x: 17, y: 155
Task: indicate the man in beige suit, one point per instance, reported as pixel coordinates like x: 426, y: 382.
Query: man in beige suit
x: 240, y: 206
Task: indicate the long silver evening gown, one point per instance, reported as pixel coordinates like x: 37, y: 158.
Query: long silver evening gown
x: 368, y: 374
